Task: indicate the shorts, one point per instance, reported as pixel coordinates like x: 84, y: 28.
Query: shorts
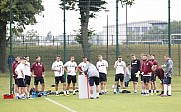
x: 146, y: 79
x: 141, y: 78
x: 59, y: 78
x: 153, y: 77
x: 119, y: 77
x: 133, y: 77
x: 16, y: 81
x: 167, y: 80
x: 71, y: 78
x: 92, y: 80
x: 27, y: 80
x: 161, y: 81
x: 102, y: 77
x: 21, y: 82
x: 38, y: 79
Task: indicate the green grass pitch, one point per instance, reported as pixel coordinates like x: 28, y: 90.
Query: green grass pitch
x: 106, y: 103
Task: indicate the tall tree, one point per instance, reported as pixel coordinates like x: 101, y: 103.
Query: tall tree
x: 23, y: 13
x: 87, y: 10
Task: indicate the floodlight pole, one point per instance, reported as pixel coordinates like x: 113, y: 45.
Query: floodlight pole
x: 11, y: 76
x: 169, y: 27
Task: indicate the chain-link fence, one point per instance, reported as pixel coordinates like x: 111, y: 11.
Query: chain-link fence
x: 142, y: 28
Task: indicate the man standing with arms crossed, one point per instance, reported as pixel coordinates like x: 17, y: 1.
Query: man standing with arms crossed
x: 58, y: 69
x: 102, y: 66
x: 168, y: 72
x: 120, y: 67
x: 147, y: 70
x: 135, y: 70
x: 71, y: 69
x: 38, y: 69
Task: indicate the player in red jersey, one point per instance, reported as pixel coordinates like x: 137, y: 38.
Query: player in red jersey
x: 160, y: 73
x: 38, y: 68
x: 147, y: 70
x: 14, y: 65
x: 153, y: 75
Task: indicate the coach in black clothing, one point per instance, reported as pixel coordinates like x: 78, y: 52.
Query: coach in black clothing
x: 135, y: 69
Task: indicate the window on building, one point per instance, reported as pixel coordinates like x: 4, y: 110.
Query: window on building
x: 129, y: 29
x: 144, y: 29
x: 137, y: 29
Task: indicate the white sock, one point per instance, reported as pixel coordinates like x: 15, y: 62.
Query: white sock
x: 67, y: 91
x: 152, y: 91
x: 147, y: 91
x: 155, y: 91
x: 64, y: 92
x: 115, y: 90
x: 165, y: 89
x: 120, y: 90
x: 102, y: 91
x: 135, y: 91
x: 142, y: 90
x: 91, y: 96
x: 73, y: 91
x: 105, y: 90
x: 169, y: 90
x: 56, y: 92
x: 97, y: 95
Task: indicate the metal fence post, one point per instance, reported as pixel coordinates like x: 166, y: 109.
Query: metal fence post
x: 11, y: 90
x: 117, y: 49
x: 179, y: 58
x: 169, y: 43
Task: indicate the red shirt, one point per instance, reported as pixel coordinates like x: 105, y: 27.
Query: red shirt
x: 38, y: 69
x: 14, y: 65
x: 147, y: 67
x: 142, y: 66
x: 154, y: 62
x: 160, y: 73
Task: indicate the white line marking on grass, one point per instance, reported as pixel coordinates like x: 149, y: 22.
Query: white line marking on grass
x: 65, y: 107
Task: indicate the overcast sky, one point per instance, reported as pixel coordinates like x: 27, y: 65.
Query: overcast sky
x: 142, y: 10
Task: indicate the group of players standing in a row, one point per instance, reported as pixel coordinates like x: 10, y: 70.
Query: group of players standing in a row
x: 147, y: 68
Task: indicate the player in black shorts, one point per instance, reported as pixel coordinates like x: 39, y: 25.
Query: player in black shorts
x: 135, y: 70
x: 153, y: 75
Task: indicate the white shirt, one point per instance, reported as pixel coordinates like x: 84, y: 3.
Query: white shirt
x: 82, y: 65
x: 102, y: 66
x: 26, y: 69
x: 58, y: 66
x: 71, y: 67
x: 120, y: 67
x: 18, y: 69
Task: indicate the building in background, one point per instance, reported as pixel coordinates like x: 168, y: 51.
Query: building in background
x: 135, y: 31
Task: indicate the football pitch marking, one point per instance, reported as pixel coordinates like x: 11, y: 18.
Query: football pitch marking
x: 65, y: 107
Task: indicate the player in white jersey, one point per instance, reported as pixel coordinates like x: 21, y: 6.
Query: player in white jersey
x: 102, y: 66
x: 71, y: 69
x: 120, y: 67
x: 82, y: 65
x: 58, y: 69
x: 27, y: 73
x: 20, y: 78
